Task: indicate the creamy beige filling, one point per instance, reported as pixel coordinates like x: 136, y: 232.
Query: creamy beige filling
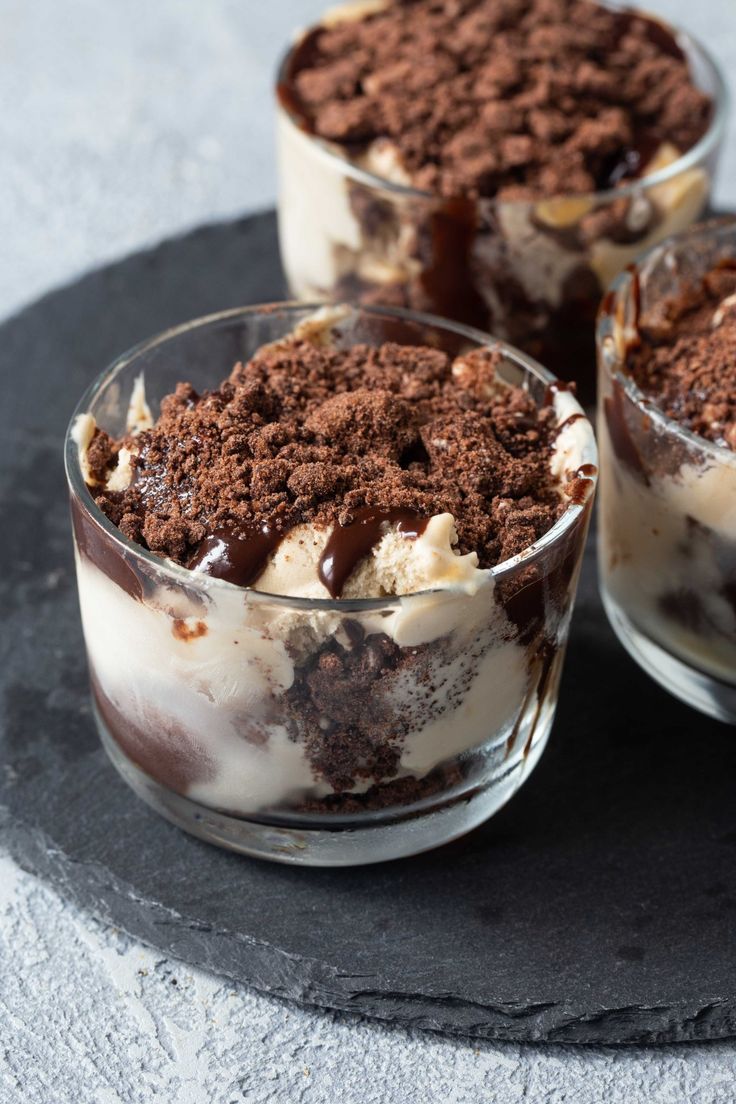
x: 650, y: 551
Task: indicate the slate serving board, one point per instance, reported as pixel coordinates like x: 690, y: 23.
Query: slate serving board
x: 598, y: 907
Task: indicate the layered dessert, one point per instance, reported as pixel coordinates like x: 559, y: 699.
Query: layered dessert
x: 298, y: 606
x: 493, y: 161
x: 668, y: 446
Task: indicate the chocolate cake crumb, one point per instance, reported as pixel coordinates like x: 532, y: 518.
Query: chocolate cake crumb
x: 306, y: 432
x: 518, y: 98
x: 686, y: 357
x: 348, y: 749
x: 101, y: 455
x: 397, y: 793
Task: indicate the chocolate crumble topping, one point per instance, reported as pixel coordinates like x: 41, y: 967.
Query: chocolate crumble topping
x: 312, y: 433
x: 519, y: 98
x: 686, y: 358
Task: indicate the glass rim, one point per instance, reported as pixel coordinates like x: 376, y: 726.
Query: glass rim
x: 620, y: 290
x: 690, y: 45
x: 183, y: 576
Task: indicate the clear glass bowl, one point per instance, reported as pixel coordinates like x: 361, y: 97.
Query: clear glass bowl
x: 317, y: 732
x: 667, y: 542
x: 531, y: 272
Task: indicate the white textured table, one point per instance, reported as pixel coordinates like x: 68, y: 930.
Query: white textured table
x: 125, y: 121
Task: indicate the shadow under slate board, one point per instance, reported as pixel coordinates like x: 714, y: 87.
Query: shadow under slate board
x: 599, y: 906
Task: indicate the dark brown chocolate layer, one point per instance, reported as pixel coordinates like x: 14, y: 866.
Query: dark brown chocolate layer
x: 349, y: 438
x: 500, y: 97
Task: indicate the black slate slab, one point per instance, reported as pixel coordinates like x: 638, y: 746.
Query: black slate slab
x: 599, y: 906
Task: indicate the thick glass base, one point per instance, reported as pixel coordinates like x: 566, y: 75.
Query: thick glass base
x: 320, y: 840
x: 697, y: 688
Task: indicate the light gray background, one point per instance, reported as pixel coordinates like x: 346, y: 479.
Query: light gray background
x: 121, y: 123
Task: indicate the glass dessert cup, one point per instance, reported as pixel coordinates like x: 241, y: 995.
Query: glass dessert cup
x: 532, y: 273
x: 667, y: 542
x: 248, y: 719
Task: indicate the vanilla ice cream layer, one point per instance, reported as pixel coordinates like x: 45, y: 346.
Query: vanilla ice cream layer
x: 651, y: 550
x: 202, y: 670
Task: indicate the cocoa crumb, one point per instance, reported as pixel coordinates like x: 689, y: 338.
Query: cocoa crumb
x: 686, y: 360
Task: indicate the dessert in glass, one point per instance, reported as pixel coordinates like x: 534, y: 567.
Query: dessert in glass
x: 497, y: 163
x: 326, y: 592
x: 667, y: 431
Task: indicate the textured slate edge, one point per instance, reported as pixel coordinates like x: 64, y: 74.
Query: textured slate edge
x: 309, y: 983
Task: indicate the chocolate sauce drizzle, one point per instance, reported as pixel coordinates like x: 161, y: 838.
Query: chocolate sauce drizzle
x: 348, y: 544
x: 569, y: 421
x: 448, y: 280
x: 103, y: 551
x: 582, y: 485
x: 238, y: 558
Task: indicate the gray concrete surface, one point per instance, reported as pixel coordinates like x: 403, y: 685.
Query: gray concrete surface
x: 123, y: 122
